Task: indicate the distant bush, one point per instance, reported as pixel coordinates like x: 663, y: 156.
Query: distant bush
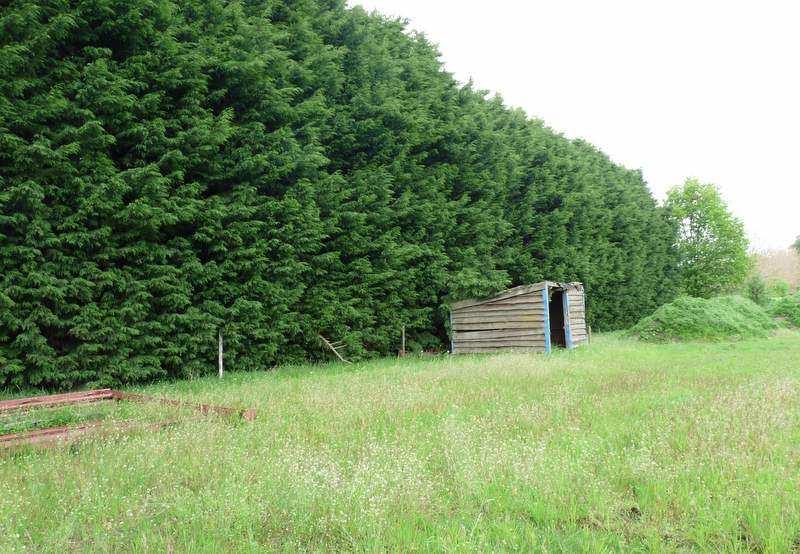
x: 756, y: 290
x: 787, y: 308
x: 720, y: 318
x: 778, y: 288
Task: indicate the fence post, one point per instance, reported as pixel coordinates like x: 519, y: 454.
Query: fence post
x: 221, y: 370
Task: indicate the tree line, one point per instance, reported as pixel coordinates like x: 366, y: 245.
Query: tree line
x: 278, y: 170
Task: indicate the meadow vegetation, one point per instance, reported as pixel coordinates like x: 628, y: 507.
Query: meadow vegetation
x: 619, y: 445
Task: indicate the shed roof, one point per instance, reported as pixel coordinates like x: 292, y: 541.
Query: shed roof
x: 510, y: 293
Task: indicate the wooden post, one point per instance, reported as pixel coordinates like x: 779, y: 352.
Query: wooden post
x: 403, y: 342
x: 221, y: 370
x: 334, y: 348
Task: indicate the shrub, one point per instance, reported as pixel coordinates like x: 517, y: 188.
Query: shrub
x: 787, y: 308
x: 719, y: 318
x: 778, y: 288
x: 756, y: 290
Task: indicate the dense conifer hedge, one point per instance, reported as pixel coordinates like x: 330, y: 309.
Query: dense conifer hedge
x: 276, y: 169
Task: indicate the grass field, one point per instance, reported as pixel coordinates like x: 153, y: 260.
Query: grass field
x: 618, y: 446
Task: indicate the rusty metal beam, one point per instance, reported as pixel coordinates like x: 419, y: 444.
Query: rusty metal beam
x: 54, y: 435
x: 53, y: 400
x: 248, y: 414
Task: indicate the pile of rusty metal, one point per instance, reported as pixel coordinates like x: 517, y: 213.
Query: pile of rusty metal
x: 55, y: 435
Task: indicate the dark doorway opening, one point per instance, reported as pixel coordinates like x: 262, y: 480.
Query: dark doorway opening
x: 558, y: 336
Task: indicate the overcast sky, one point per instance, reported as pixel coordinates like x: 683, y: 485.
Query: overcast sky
x: 701, y: 88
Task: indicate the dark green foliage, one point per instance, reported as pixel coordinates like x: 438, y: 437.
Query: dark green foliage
x: 719, y: 318
x: 276, y: 169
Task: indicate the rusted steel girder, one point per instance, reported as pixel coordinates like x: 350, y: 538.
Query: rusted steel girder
x: 248, y: 414
x: 53, y: 400
x: 53, y: 435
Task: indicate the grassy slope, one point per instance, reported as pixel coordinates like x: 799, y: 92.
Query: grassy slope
x: 622, y: 445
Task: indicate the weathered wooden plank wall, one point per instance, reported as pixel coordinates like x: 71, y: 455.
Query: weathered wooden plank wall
x: 577, y: 315
x: 515, y: 319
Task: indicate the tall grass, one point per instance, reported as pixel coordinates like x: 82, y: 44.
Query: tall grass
x: 621, y: 445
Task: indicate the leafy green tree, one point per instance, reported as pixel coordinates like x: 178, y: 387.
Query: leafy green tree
x: 712, y: 244
x: 796, y: 245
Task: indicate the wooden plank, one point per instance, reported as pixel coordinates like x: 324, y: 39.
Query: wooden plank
x: 534, y: 326
x: 472, y: 350
x: 529, y: 298
x: 497, y: 334
x: 502, y: 343
x: 527, y: 312
x: 501, y: 314
x: 530, y: 338
x: 334, y: 349
x: 510, y: 293
x: 501, y: 307
x: 517, y: 315
x: 491, y: 308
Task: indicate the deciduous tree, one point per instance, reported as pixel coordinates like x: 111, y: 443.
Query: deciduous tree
x: 712, y: 244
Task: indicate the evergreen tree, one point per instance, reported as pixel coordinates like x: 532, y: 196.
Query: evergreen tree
x: 276, y: 170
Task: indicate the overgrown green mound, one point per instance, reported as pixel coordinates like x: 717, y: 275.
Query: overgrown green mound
x: 787, y: 308
x: 719, y: 318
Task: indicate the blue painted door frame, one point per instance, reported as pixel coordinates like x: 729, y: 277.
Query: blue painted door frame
x: 548, y: 347
x: 546, y: 301
x: 567, y: 322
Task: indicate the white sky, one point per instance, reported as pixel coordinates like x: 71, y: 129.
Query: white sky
x: 678, y: 88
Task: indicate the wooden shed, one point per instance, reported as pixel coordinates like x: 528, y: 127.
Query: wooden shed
x: 535, y: 318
